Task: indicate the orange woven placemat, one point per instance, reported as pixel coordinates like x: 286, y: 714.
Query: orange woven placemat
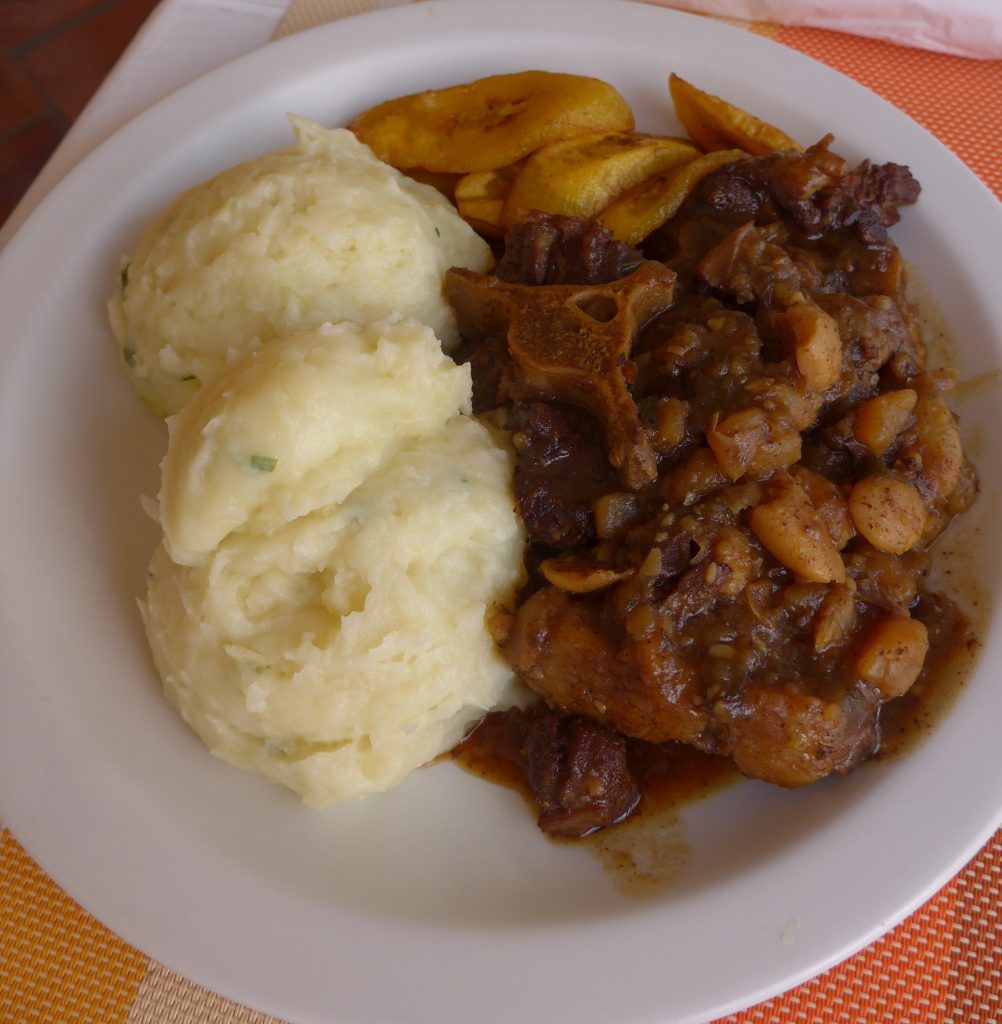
x: 956, y: 99
x: 943, y: 965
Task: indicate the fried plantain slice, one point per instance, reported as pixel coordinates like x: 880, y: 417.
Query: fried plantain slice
x: 480, y: 198
x: 713, y: 123
x: 580, y: 176
x: 491, y: 122
x: 634, y: 215
x: 445, y: 183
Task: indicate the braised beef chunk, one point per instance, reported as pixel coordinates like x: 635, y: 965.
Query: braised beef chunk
x: 491, y: 369
x: 817, y: 191
x: 577, y: 653
x: 578, y: 771
x: 747, y: 267
x: 562, y: 468
x: 872, y: 329
x: 544, y: 248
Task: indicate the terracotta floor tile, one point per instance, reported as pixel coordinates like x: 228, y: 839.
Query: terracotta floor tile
x: 72, y: 64
x: 22, y: 155
x: 21, y: 99
x: 21, y: 20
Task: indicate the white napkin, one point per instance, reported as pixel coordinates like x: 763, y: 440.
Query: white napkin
x: 964, y: 28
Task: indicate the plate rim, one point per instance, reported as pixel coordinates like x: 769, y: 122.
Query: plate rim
x: 227, y: 75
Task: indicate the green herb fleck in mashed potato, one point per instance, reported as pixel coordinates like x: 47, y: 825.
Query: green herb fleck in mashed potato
x: 339, y: 527
x: 322, y: 231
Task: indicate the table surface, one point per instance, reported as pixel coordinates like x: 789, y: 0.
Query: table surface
x: 943, y: 965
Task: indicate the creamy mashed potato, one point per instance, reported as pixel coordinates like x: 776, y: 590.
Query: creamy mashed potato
x: 344, y: 528
x: 298, y: 425
x: 322, y: 231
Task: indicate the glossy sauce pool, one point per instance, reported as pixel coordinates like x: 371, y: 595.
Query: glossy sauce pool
x: 649, y: 849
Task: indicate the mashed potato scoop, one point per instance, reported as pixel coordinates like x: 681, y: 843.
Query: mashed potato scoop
x: 322, y: 231
x: 298, y: 425
x: 322, y: 619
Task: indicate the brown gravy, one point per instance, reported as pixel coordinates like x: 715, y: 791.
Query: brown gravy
x: 670, y: 775
x: 648, y: 851
x: 953, y: 650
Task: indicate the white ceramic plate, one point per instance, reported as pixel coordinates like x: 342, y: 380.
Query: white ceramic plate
x: 438, y: 902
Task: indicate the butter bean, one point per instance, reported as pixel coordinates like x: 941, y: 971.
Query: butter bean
x: 836, y: 616
x: 753, y: 442
x: 829, y: 503
x: 892, y: 655
x: 888, y: 512
x: 938, y: 444
x: 879, y: 421
x: 577, y: 576
x: 816, y: 343
x: 789, y: 529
